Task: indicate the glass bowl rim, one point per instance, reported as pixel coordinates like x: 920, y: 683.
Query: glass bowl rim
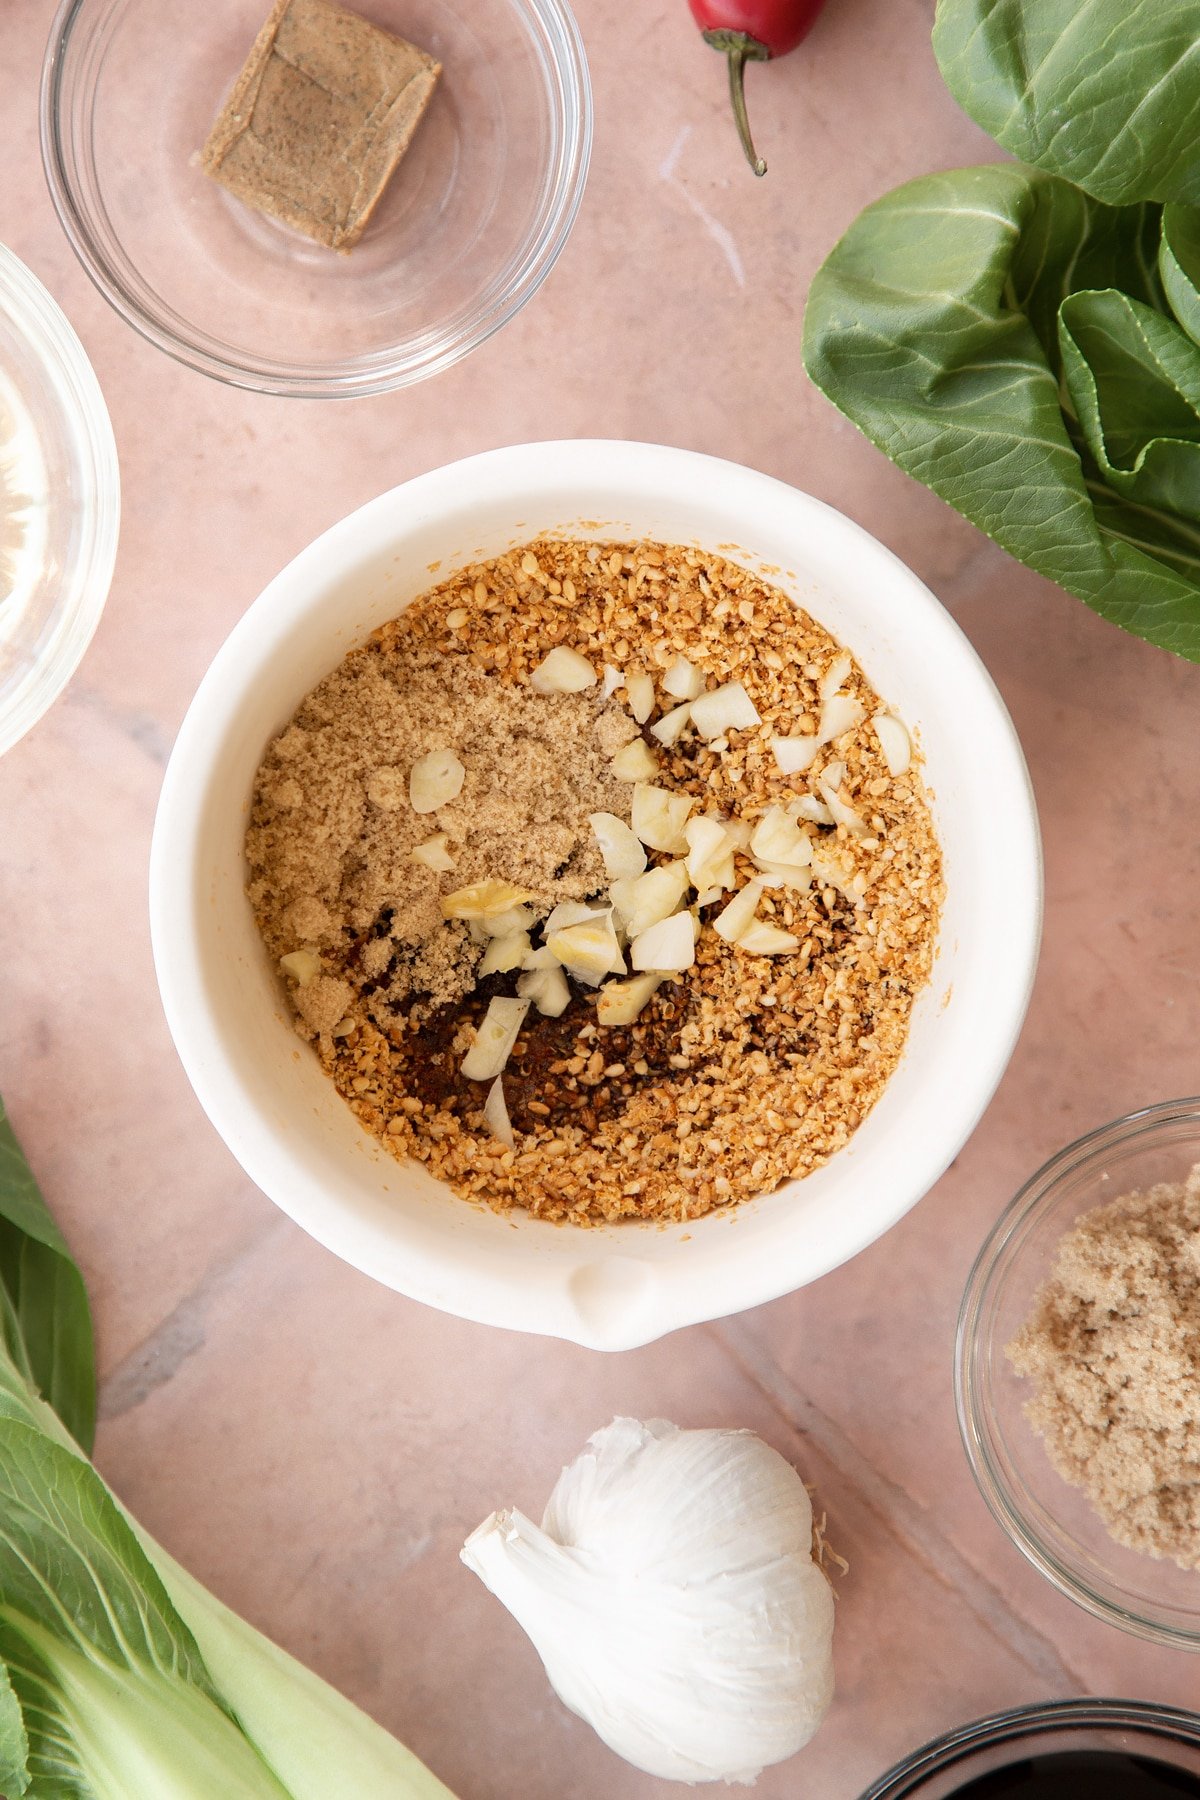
x: 373, y: 372
x: 1036, y: 1197
x: 1017, y: 1722
x: 83, y: 589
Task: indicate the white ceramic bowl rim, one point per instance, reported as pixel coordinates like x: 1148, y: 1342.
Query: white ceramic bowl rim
x: 617, y: 1286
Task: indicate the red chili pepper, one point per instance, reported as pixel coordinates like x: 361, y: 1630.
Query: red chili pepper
x: 752, y: 31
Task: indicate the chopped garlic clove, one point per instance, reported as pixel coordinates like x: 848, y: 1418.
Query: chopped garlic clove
x: 619, y: 846
x: 660, y: 816
x: 498, y: 1032
x: 434, y: 854
x: 683, y: 681
x: 778, y: 839
x: 835, y: 674
x: 708, y: 842
x: 611, y: 682
x: 639, y: 691
x: 830, y: 869
x: 738, y: 915
x: 727, y: 708
x: 722, y: 873
x: 795, y: 754
x: 590, y: 951
x: 840, y: 714
x: 563, y: 671
x: 842, y: 813
x: 505, y: 953
x: 571, y: 912
x: 622, y: 894
x: 669, y: 729
x: 650, y: 897
x: 773, y: 874
x: 539, y: 959
x: 669, y: 946
x: 483, y: 900
x: 894, y: 741
x: 709, y: 896
x: 621, y: 1002
x: 435, y: 780
x: 547, y: 988
x: 302, y: 966
x: 807, y: 806
x: 761, y: 939
x: 635, y: 762
x: 504, y: 924
x: 833, y: 774
x: 495, y: 1113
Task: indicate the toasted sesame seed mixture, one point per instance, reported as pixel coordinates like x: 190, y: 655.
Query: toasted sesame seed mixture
x: 741, y: 1071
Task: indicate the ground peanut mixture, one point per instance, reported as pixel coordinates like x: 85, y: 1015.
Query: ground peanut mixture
x: 1113, y: 1346
x: 754, y: 1057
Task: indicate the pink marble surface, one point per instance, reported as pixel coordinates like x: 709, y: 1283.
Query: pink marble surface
x: 315, y: 1447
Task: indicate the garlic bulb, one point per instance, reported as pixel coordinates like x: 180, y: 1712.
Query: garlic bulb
x: 672, y: 1596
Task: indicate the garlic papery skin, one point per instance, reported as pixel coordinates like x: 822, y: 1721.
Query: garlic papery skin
x: 672, y: 1596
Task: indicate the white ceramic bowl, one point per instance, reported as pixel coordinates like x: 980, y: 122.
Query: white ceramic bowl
x: 619, y: 1286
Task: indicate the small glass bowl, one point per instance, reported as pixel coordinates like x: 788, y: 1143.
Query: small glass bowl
x: 470, y: 226
x: 60, y: 502
x: 940, y: 1769
x: 1048, y: 1520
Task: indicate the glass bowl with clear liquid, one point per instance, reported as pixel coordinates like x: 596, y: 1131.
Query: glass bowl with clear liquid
x: 59, y: 500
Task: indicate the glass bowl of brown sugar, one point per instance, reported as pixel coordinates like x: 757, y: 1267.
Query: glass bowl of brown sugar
x: 1078, y: 1372
x: 468, y: 226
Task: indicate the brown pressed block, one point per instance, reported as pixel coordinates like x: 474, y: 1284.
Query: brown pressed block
x: 320, y: 116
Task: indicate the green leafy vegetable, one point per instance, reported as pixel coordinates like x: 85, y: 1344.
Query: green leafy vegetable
x: 1179, y: 265
x: 1103, y: 92
x: 121, y: 1678
x: 1024, y: 351
x: 44, y: 1316
x: 1130, y: 372
x: 14, y: 1740
x: 115, y: 1696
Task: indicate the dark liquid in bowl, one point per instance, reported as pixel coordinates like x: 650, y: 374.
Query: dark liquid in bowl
x: 1083, y: 1775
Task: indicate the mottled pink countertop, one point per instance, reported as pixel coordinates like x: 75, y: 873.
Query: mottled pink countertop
x: 316, y: 1447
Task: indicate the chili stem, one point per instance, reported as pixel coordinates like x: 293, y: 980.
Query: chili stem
x: 740, y: 48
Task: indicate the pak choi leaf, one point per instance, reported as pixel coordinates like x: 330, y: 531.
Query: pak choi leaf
x: 121, y: 1677
x: 14, y: 1740
x: 1102, y: 92
x: 47, y: 1323
x: 1008, y: 341
x: 115, y: 1694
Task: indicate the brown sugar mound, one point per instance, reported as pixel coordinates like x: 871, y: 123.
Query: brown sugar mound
x: 1113, y: 1346
x: 332, y: 834
x: 318, y: 119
